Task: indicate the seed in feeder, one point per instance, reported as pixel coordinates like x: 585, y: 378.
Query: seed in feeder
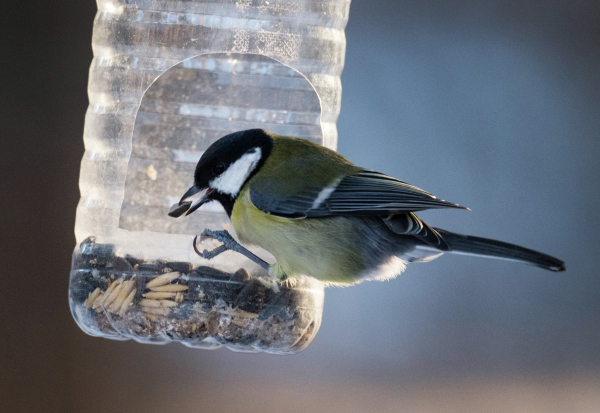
x: 159, y: 295
x: 113, y: 296
x: 140, y: 286
x: 178, y: 210
x: 133, y: 261
x: 157, y: 303
x: 96, y: 254
x: 278, y: 304
x: 240, y: 276
x: 90, y: 300
x: 242, y: 322
x: 180, y: 266
x: 119, y: 264
x: 169, y: 288
x: 89, y: 240
x: 236, y: 312
x: 251, y: 297
x: 163, y: 279
x: 150, y: 268
x: 156, y: 311
x: 149, y: 303
x: 246, y: 314
x: 100, y: 300
x: 179, y: 297
x: 125, y: 290
x: 126, y: 303
x: 153, y: 317
x: 215, y: 284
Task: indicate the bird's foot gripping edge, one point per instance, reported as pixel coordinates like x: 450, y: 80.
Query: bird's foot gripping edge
x: 228, y: 244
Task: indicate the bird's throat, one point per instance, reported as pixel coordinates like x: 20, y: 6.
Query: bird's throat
x: 226, y: 201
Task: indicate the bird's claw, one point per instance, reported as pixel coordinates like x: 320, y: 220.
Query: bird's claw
x: 221, y: 236
x: 204, y: 236
x: 206, y: 254
x: 229, y: 243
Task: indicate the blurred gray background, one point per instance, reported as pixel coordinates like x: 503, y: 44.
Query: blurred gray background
x: 493, y: 105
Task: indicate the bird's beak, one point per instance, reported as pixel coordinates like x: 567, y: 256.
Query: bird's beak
x: 190, y: 192
x: 203, y: 200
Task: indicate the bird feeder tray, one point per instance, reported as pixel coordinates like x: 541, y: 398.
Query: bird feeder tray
x: 121, y: 297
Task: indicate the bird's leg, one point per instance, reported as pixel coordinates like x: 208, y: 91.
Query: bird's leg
x: 228, y: 244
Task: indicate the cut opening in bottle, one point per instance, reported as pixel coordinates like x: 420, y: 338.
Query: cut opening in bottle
x: 143, y: 280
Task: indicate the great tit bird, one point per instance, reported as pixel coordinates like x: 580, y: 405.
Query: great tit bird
x: 322, y: 216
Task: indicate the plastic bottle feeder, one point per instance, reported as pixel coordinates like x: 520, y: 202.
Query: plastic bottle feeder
x: 168, y: 79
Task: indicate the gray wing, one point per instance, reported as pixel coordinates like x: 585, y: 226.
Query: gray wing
x: 365, y: 193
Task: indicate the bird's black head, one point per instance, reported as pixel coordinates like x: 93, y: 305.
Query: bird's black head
x: 227, y: 165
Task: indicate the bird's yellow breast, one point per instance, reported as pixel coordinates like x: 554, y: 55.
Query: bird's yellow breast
x: 326, y: 249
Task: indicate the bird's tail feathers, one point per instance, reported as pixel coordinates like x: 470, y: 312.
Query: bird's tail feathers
x: 469, y: 245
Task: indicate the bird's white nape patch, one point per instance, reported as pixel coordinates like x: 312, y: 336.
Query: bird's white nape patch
x: 230, y: 182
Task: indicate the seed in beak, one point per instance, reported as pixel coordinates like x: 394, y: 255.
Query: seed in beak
x: 178, y: 210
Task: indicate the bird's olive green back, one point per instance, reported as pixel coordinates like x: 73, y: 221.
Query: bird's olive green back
x: 297, y: 164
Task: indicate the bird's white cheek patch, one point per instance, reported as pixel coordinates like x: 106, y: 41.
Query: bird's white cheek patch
x: 230, y: 182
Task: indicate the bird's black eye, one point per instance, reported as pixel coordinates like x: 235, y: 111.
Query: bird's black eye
x: 219, y: 168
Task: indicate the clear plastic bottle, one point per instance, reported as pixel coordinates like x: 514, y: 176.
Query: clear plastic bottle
x: 169, y: 78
